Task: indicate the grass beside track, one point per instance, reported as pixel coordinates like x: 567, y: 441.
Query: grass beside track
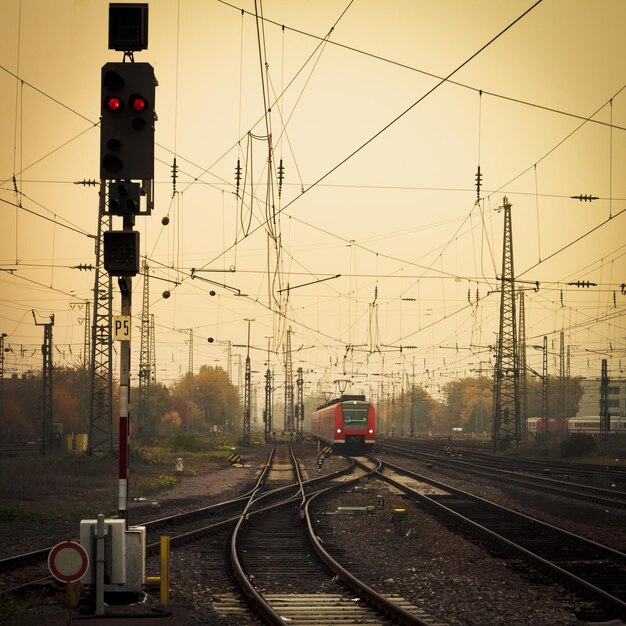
x: 39, y: 488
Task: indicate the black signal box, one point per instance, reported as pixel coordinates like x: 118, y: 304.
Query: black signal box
x: 121, y: 252
x: 127, y: 122
x: 128, y: 26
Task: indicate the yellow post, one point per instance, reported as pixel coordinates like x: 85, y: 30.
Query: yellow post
x: 165, y: 570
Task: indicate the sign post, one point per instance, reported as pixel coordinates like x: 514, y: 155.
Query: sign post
x: 68, y: 561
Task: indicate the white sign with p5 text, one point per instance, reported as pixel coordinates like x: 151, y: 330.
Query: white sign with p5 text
x: 121, y: 327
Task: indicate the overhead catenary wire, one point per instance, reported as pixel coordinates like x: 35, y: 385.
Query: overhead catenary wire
x: 403, y: 113
x: 178, y: 261
x: 430, y: 74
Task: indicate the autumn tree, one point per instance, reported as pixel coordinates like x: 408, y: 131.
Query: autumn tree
x: 572, y: 393
x: 22, y: 402
x: 468, y: 404
x: 18, y: 423
x: 70, y: 398
x: 416, y: 404
x: 207, y: 401
x: 158, y: 404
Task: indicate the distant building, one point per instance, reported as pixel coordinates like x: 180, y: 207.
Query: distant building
x: 590, y: 401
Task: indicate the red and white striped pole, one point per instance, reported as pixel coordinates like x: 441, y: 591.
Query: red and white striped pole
x: 123, y: 452
x: 125, y: 284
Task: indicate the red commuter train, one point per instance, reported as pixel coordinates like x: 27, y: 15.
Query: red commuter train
x: 347, y: 423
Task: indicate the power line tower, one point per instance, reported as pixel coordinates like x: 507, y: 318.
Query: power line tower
x: 2, y: 350
x: 521, y: 355
x: 46, y: 375
x: 229, y: 362
x: 145, y: 361
x: 240, y: 379
x: 189, y: 341
x: 506, y: 427
x: 562, y: 375
x: 247, y: 394
x: 153, y: 370
x: 299, y: 406
x: 289, y: 408
x: 84, y: 380
x: 100, y: 375
x: 605, y: 418
x: 152, y: 350
x: 544, y: 391
x: 267, y: 411
x: 190, y: 357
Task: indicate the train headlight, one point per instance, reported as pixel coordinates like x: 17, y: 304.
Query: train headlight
x: 339, y: 431
x: 371, y: 431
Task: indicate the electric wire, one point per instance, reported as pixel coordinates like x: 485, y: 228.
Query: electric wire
x: 526, y: 270
x: 403, y: 113
x: 430, y: 74
x: 21, y: 207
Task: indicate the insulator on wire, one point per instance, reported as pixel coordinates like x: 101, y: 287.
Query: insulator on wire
x: 238, y: 175
x: 584, y: 198
x: 281, y: 177
x: 174, y: 176
x: 479, y: 180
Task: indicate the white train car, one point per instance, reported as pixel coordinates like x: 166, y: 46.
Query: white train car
x: 591, y: 424
x: 585, y: 424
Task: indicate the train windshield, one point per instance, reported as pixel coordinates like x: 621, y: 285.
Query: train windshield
x: 354, y: 413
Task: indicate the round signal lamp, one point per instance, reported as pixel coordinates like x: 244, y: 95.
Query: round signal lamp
x: 138, y: 104
x: 113, y: 103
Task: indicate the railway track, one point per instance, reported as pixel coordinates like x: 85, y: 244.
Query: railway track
x: 288, y: 576
x: 595, y: 572
x: 273, y: 513
x: 612, y: 498
x: 291, y: 572
x: 593, y: 473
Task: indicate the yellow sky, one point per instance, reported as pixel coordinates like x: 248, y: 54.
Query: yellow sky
x: 379, y: 185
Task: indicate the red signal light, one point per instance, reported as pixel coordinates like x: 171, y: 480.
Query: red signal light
x: 139, y: 104
x: 127, y: 123
x: 113, y: 103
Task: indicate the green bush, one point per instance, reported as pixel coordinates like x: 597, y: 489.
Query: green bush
x: 578, y: 445
x: 153, y: 486
x: 15, y: 515
x: 188, y: 442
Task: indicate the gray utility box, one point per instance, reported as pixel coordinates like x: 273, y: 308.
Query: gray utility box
x: 124, y: 554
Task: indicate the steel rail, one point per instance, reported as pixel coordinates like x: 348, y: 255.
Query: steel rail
x: 530, y: 556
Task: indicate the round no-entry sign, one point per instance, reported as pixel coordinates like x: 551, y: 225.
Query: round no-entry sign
x: 68, y: 561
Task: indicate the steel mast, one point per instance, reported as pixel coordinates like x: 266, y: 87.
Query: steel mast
x: 506, y: 426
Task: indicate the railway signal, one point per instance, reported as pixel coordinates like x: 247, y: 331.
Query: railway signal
x: 124, y: 198
x: 128, y: 26
x: 121, y: 252
x: 320, y: 463
x: 127, y: 122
